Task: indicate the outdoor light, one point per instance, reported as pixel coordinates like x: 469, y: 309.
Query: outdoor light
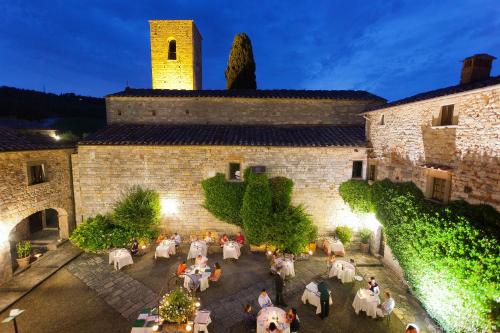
x: 38, y: 255
x: 189, y: 327
x: 57, y: 137
x: 197, y: 304
x: 4, y: 233
x: 169, y: 206
x: 155, y: 328
x: 143, y: 247
x: 310, y: 252
x: 269, y: 253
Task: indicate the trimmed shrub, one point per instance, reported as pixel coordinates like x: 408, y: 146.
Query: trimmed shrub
x: 450, y: 254
x: 357, y: 194
x: 292, y: 230
x: 282, y: 192
x: 223, y: 198
x: 344, y: 233
x: 139, y: 209
x: 240, y: 71
x: 94, y: 234
x: 256, y: 208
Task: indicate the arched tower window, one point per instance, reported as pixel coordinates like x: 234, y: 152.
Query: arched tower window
x: 172, y: 50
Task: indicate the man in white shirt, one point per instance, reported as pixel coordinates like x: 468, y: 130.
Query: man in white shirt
x: 177, y: 239
x: 386, y: 308
x: 264, y: 300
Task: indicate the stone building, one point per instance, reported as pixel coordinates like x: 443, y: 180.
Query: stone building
x: 36, y: 192
x: 446, y: 141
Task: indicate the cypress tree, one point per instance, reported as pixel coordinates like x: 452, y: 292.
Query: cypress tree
x: 240, y: 71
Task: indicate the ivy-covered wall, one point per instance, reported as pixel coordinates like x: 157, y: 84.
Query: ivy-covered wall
x: 450, y: 254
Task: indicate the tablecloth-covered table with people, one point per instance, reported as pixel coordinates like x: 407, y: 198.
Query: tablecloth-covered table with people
x: 120, y: 258
x: 231, y: 249
x: 201, y: 321
x: 165, y: 249
x: 311, y: 295
x: 197, y: 248
x: 190, y: 276
x: 343, y: 270
x: 333, y: 245
x: 366, y: 300
x: 270, y: 315
x: 146, y: 322
x: 285, y: 264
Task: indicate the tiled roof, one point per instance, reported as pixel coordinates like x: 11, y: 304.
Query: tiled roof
x: 228, y: 135
x: 440, y: 92
x: 249, y: 93
x: 13, y: 140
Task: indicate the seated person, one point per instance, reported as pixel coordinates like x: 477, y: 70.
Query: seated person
x: 196, y: 279
x: 216, y: 272
x: 386, y: 308
x: 411, y: 328
x: 193, y: 238
x: 330, y: 260
x: 176, y: 238
x: 135, y: 247
x: 223, y: 240
x: 200, y: 260
x: 160, y: 238
x: 273, y: 328
x: 373, y: 285
x: 264, y: 300
x: 250, y: 318
x: 181, y: 268
x: 240, y: 239
x: 351, y: 261
x: 293, y: 320
x: 208, y: 238
x: 276, y: 264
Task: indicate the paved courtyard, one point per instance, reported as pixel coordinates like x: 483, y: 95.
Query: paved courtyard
x: 89, y: 296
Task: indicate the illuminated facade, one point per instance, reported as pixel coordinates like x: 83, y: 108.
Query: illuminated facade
x: 175, y: 54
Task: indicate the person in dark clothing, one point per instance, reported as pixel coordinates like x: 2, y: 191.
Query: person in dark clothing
x: 324, y: 299
x: 250, y: 319
x: 293, y: 319
x: 279, y: 285
x: 135, y: 247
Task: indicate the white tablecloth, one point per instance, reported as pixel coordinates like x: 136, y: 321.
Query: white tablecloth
x: 366, y: 301
x: 165, y: 249
x: 343, y: 270
x: 231, y: 250
x: 311, y: 296
x: 201, y: 321
x: 120, y: 258
x: 203, y: 280
x: 197, y: 248
x: 268, y: 315
x: 331, y: 245
x: 287, y: 266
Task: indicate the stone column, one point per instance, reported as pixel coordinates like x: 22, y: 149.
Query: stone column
x: 63, y: 225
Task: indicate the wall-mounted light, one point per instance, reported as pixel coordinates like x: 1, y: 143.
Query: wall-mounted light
x: 169, y: 206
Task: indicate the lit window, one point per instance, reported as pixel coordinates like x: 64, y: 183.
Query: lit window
x: 357, y: 169
x: 234, y: 171
x: 172, y: 50
x: 446, y: 115
x: 372, y: 172
x: 36, y: 174
x: 438, y: 189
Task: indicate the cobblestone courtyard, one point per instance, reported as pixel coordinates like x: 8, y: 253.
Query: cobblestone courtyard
x: 87, y: 295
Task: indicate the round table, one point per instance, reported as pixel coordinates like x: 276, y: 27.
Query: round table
x: 287, y: 266
x: 205, y: 274
x: 231, y: 249
x: 334, y: 245
x: 165, y: 249
x: 120, y: 258
x: 367, y: 301
x: 197, y: 248
x: 269, y: 315
x: 343, y: 270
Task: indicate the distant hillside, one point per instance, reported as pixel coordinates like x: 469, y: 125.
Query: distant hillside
x: 35, y: 105
x: 64, y: 112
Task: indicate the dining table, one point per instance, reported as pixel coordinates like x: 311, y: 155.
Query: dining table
x: 311, y: 295
x: 120, y: 258
x: 343, y: 270
x: 366, y: 300
x: 165, y: 249
x: 197, y: 248
x: 231, y: 249
x: 269, y: 315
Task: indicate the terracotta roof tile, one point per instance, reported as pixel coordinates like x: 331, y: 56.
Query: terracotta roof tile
x: 13, y: 140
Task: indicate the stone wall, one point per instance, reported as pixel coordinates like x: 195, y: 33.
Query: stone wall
x: 213, y: 110
x: 409, y: 143
x: 18, y: 200
x: 185, y: 71
x: 105, y: 172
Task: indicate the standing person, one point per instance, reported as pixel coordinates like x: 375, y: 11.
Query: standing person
x: 240, y: 239
x: 324, y: 299
x: 293, y: 320
x: 279, y: 285
x: 177, y: 239
x: 250, y: 318
x: 135, y: 247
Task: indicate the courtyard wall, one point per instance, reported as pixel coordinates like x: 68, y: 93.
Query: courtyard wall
x: 18, y: 199
x: 103, y: 173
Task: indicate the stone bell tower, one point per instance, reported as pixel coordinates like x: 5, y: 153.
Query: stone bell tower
x: 175, y: 54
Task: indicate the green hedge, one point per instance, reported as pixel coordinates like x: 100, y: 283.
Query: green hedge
x: 136, y: 215
x: 223, y: 198
x: 450, y: 253
x: 262, y: 207
x: 344, y: 233
x: 357, y: 194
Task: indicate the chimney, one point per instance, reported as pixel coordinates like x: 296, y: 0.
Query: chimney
x: 476, y: 68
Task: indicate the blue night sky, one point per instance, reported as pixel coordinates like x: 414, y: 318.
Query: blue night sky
x: 391, y: 48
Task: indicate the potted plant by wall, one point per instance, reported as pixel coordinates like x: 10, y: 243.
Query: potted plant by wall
x: 365, y: 235
x: 23, y: 249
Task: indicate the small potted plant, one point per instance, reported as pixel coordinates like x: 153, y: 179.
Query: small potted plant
x: 23, y: 249
x: 365, y: 235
